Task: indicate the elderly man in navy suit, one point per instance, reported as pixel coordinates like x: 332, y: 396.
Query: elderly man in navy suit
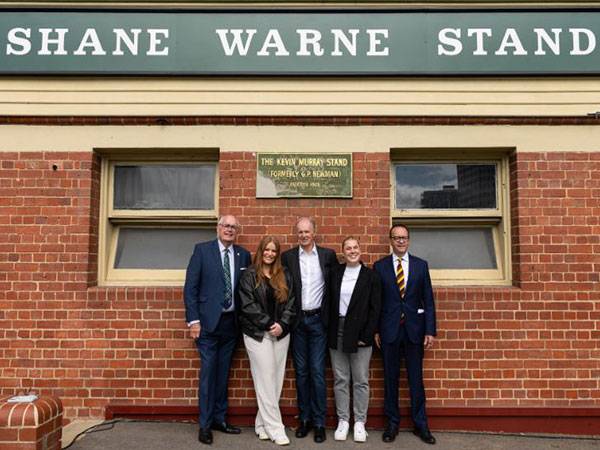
x: 210, y: 293
x: 407, y: 327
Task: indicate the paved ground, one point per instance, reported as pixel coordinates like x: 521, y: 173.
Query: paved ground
x: 183, y: 436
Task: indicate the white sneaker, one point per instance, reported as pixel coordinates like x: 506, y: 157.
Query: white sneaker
x: 282, y: 440
x: 360, y: 434
x: 341, y: 433
x: 262, y: 434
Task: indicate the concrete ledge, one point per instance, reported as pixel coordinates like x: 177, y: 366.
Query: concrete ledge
x: 571, y: 421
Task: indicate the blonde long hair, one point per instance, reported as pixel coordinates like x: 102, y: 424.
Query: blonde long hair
x: 277, y: 280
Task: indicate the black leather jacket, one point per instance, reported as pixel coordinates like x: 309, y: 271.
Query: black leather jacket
x: 252, y: 311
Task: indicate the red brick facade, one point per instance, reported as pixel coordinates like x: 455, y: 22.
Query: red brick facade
x: 535, y: 344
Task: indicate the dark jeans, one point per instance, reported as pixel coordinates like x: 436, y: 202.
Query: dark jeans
x: 216, y: 350
x: 309, y: 347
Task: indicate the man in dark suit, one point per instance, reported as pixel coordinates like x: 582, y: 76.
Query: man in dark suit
x: 406, y: 328
x: 309, y: 265
x: 210, y: 293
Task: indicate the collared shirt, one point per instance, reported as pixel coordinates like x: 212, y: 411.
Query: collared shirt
x: 404, y: 266
x: 231, y: 269
x: 347, y: 288
x: 313, y: 282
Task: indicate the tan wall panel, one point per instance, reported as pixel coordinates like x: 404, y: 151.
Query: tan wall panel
x: 300, y: 139
x: 460, y: 97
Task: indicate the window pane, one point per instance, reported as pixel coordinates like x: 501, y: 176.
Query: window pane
x: 158, y: 248
x: 454, y: 248
x: 445, y: 186
x: 165, y: 187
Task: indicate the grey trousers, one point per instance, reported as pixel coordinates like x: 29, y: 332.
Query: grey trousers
x: 348, y: 366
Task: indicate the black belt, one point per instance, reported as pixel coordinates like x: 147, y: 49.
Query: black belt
x: 311, y: 312
x: 225, y: 313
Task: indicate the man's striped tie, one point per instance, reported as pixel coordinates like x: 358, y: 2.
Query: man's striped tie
x: 400, y: 279
x: 401, y: 282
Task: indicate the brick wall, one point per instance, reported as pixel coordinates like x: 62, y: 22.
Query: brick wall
x: 534, y: 344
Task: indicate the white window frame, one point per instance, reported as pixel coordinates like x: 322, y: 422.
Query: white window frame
x: 113, y: 220
x: 498, y: 219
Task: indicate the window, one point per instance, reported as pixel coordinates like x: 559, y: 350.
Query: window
x: 457, y: 211
x: 153, y: 213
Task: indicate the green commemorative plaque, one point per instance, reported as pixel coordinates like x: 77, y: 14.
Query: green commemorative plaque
x: 297, y: 175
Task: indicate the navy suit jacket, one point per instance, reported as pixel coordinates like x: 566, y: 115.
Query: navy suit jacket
x: 418, y: 296
x: 204, y: 289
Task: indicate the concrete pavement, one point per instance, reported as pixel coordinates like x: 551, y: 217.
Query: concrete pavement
x: 127, y: 435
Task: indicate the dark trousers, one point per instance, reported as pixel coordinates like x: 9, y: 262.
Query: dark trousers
x: 216, y: 350
x: 412, y: 353
x: 309, y: 347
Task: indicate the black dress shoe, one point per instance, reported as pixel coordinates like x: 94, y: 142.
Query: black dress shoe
x: 205, y: 436
x: 225, y: 427
x: 390, y: 433
x: 425, y: 435
x: 320, y: 435
x: 303, y: 429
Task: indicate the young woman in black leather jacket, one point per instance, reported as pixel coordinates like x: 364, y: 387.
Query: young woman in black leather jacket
x: 266, y: 312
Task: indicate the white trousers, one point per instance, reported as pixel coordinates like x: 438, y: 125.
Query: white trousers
x: 267, y: 364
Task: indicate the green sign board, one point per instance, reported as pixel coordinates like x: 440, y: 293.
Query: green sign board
x: 304, y: 175
x: 299, y: 42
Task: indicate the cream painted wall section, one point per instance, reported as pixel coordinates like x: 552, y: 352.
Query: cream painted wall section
x: 300, y: 96
x: 299, y: 138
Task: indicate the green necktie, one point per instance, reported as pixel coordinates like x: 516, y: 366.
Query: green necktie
x: 227, y: 276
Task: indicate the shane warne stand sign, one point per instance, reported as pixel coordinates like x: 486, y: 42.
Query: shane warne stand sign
x: 288, y: 42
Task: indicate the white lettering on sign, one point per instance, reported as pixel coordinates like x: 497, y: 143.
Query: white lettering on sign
x: 90, y: 39
x: 273, y: 41
x: 479, y: 33
x: 511, y: 40
x: 312, y: 38
x: 52, y: 41
x: 449, y: 42
x: 591, y: 41
x: 47, y: 41
x: 155, y: 42
x: 309, y: 42
x: 452, y: 41
x: 375, y: 43
x: 18, y: 41
x: 237, y: 45
x: 340, y: 37
x: 131, y: 43
x: 553, y: 44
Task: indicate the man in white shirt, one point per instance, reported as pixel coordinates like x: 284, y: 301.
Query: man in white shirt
x: 309, y: 265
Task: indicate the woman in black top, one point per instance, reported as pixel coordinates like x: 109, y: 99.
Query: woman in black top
x: 266, y: 312
x: 352, y: 316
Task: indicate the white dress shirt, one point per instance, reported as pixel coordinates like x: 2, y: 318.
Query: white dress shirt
x: 313, y: 282
x: 404, y: 266
x: 347, y: 288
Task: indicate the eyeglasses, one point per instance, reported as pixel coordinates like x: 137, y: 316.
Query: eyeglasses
x: 228, y: 226
x: 399, y: 238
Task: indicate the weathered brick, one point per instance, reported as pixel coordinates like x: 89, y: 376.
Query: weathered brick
x: 534, y: 344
